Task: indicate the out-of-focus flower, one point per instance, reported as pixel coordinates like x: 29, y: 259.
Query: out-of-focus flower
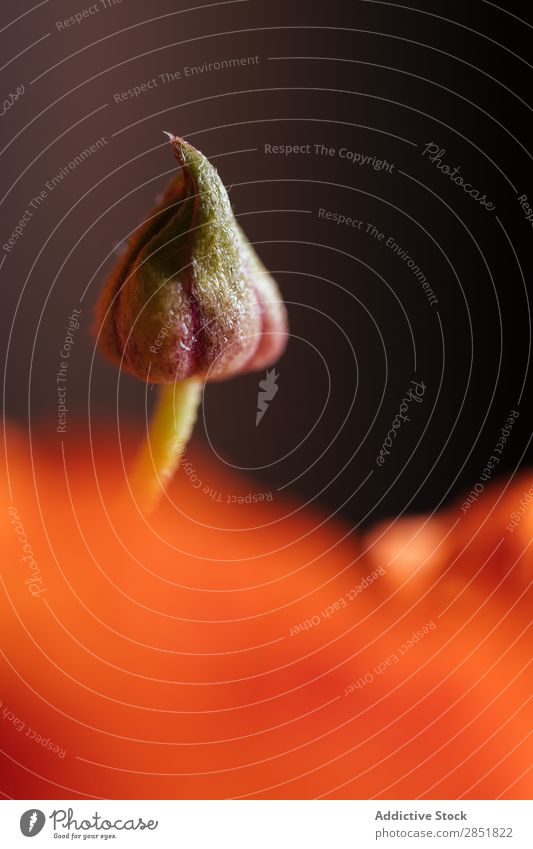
x: 246, y: 648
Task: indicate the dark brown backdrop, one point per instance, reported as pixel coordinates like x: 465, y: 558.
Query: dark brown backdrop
x: 372, y: 78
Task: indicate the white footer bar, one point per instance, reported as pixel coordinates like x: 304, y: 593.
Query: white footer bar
x: 268, y: 824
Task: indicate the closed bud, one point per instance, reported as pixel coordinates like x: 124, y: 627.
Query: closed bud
x: 190, y: 298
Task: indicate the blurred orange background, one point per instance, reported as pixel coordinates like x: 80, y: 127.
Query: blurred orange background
x: 254, y: 649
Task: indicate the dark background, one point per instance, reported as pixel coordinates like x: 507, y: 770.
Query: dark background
x: 376, y: 78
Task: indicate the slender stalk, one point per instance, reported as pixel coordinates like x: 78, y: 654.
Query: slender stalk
x: 170, y: 429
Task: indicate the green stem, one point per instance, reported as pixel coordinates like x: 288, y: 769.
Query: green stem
x: 170, y: 429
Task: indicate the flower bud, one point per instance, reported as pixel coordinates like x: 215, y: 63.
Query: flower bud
x: 190, y: 298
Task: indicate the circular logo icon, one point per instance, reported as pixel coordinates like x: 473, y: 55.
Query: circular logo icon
x: 32, y: 822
